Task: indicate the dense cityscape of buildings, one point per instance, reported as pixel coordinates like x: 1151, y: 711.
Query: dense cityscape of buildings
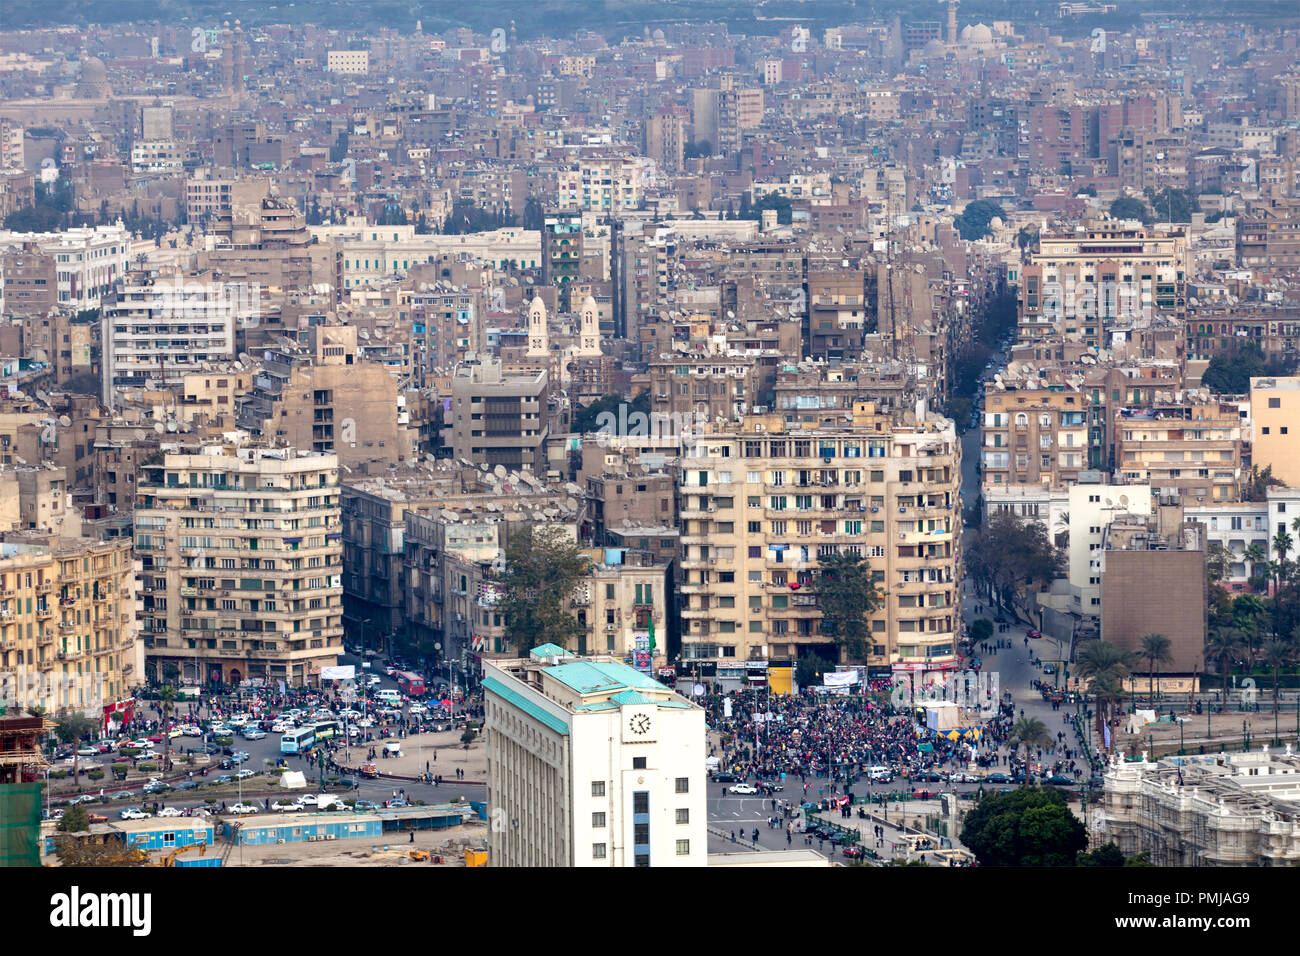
x: 301, y: 328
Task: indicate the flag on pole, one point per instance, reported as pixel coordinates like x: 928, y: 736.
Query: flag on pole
x: 652, y: 631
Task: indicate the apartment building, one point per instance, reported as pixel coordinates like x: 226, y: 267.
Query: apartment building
x: 1212, y: 810
x: 88, y: 260
x: 337, y: 404
x: 1077, y: 285
x: 591, y: 763
x: 354, y: 62
x: 621, y: 603
x: 1235, y: 526
x: 156, y: 156
x: 157, y: 329
x: 1187, y: 446
x: 762, y: 503
x: 1269, y: 236
x: 691, y: 386
x: 603, y: 185
x: 500, y: 419
x: 1275, y: 427
x: 1092, y: 507
x: 1034, y: 436
x: 209, y: 196
x: 561, y: 248
x: 67, y: 622
x: 837, y: 312
x: 212, y: 606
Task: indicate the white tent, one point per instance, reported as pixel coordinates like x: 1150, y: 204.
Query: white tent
x: 293, y: 780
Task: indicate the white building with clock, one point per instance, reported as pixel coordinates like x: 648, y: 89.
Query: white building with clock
x: 591, y: 763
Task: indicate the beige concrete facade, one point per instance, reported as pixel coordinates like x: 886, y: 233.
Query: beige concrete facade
x: 241, y: 554
x: 762, y: 504
x: 67, y: 622
x: 1275, y: 421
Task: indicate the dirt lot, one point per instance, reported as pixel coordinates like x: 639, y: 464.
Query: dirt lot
x: 449, y: 844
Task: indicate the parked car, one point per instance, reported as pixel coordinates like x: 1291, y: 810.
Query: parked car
x: 365, y: 805
x: 187, y: 785
x: 285, y: 807
x: 87, y: 751
x: 997, y: 778
x: 742, y: 788
x: 853, y: 853
x: 1033, y: 632
x: 961, y: 776
x: 245, y: 774
x: 169, y: 812
x: 725, y: 777
x: 307, y: 800
x: 224, y: 778
x: 133, y: 813
x: 254, y: 734
x: 243, y: 808
x: 1060, y: 780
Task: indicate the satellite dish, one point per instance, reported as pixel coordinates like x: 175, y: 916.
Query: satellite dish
x: 158, y: 427
x: 41, y: 396
x: 65, y: 421
x: 243, y: 357
x: 171, y: 426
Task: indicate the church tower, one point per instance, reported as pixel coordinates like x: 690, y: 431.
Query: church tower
x: 538, y: 338
x: 589, y: 334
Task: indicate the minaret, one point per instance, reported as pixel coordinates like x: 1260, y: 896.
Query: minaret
x: 589, y: 335
x: 952, y: 22
x: 538, y: 340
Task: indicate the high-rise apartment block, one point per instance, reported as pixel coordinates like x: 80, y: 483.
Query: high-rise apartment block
x: 763, y: 503
x: 241, y: 551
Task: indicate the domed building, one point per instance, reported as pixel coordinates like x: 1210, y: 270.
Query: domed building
x: 93, y: 84
x: 977, y: 38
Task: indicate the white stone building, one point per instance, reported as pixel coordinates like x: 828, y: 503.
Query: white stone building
x: 591, y: 763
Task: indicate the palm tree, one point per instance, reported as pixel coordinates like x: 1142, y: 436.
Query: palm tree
x: 1155, y: 648
x: 1102, y: 665
x: 167, y: 696
x: 1030, y: 732
x: 1282, y: 543
x: 1223, y: 645
x: 1255, y: 555
x: 1276, y: 655
x: 72, y: 728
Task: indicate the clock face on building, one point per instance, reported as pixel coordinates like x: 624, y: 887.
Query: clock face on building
x: 640, y: 724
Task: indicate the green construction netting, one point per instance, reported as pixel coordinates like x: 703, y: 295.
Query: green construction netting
x: 20, y: 824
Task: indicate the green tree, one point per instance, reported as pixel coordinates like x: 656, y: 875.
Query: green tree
x: 1174, y: 205
x: 1028, y: 733
x: 74, y: 820
x: 1223, y: 645
x: 1010, y: 558
x: 167, y: 698
x: 974, y: 221
x: 1276, y: 654
x: 1155, y: 650
x: 1028, y: 827
x: 171, y: 672
x: 846, y: 595
x: 1088, y: 190
x: 587, y: 419
x: 981, y: 630
x: 1229, y: 373
x: 1106, y: 855
x: 542, y: 569
x: 808, y: 671
x: 533, y: 217
x: 1103, y: 668
x: 1217, y: 560
x: 91, y: 853
x: 1126, y: 207
x: 72, y: 728
x: 697, y: 149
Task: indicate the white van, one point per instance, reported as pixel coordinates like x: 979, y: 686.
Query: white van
x: 880, y: 775
x: 388, y: 696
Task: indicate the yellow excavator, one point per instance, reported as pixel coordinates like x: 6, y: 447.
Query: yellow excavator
x: 170, y: 858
